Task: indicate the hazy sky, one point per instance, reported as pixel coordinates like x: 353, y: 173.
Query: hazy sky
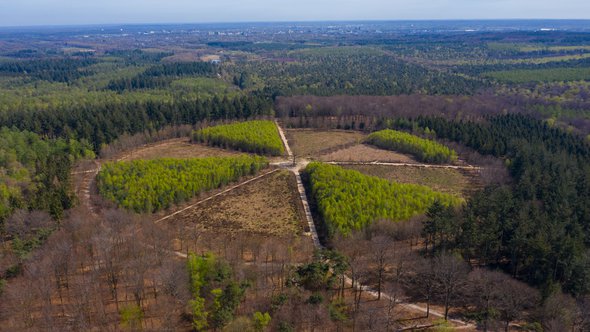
x: 58, y: 12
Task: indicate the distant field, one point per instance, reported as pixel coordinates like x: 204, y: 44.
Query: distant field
x: 311, y: 143
x: 269, y: 206
x: 366, y: 153
x: 448, y: 181
x: 541, y: 75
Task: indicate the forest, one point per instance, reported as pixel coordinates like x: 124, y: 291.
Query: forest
x: 423, y: 149
x: 348, y: 200
x: 251, y: 136
x: 514, y: 253
x: 150, y: 186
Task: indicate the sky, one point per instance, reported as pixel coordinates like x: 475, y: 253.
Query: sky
x: 75, y: 12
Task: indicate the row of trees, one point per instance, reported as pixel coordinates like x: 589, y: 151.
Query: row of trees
x: 104, y: 122
x: 425, y: 150
x: 160, y: 76
x: 348, y: 200
x: 252, y: 136
x: 152, y: 185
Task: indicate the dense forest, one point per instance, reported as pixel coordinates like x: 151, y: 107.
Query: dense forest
x: 252, y: 136
x: 149, y: 186
x: 423, y: 149
x: 347, y: 200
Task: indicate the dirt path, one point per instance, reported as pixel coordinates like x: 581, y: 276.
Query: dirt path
x: 217, y: 195
x: 380, y: 163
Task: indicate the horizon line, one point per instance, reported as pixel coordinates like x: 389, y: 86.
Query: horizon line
x: 67, y: 25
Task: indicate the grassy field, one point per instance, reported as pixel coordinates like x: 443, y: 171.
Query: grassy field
x: 312, y: 143
x: 269, y: 206
x: 366, y: 153
x: 448, y: 181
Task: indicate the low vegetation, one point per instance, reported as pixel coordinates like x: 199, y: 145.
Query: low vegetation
x: 149, y: 186
x: 252, y: 136
x: 347, y: 200
x: 423, y: 149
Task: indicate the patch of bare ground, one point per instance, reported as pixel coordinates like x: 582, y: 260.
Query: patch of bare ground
x: 450, y: 181
x: 179, y: 148
x: 366, y: 153
x: 307, y: 143
x: 269, y: 206
x: 176, y: 148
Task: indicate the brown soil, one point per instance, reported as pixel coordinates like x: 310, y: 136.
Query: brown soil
x: 269, y: 206
x: 313, y: 143
x: 366, y: 153
x: 440, y: 179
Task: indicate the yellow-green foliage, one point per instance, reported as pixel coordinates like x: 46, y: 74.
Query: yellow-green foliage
x: 423, y: 149
x: 151, y: 185
x: 349, y: 200
x: 252, y: 136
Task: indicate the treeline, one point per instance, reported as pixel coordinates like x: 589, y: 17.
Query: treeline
x: 252, y: 136
x: 160, y: 76
x: 537, y: 228
x: 35, y: 173
x: 53, y: 70
x: 153, y: 185
x: 102, y: 123
x: 423, y: 149
x: 348, y: 200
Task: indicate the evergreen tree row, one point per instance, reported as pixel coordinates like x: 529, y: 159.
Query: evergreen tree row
x: 153, y: 185
x: 252, y: 136
x: 423, y: 149
x: 348, y: 200
x: 103, y: 123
